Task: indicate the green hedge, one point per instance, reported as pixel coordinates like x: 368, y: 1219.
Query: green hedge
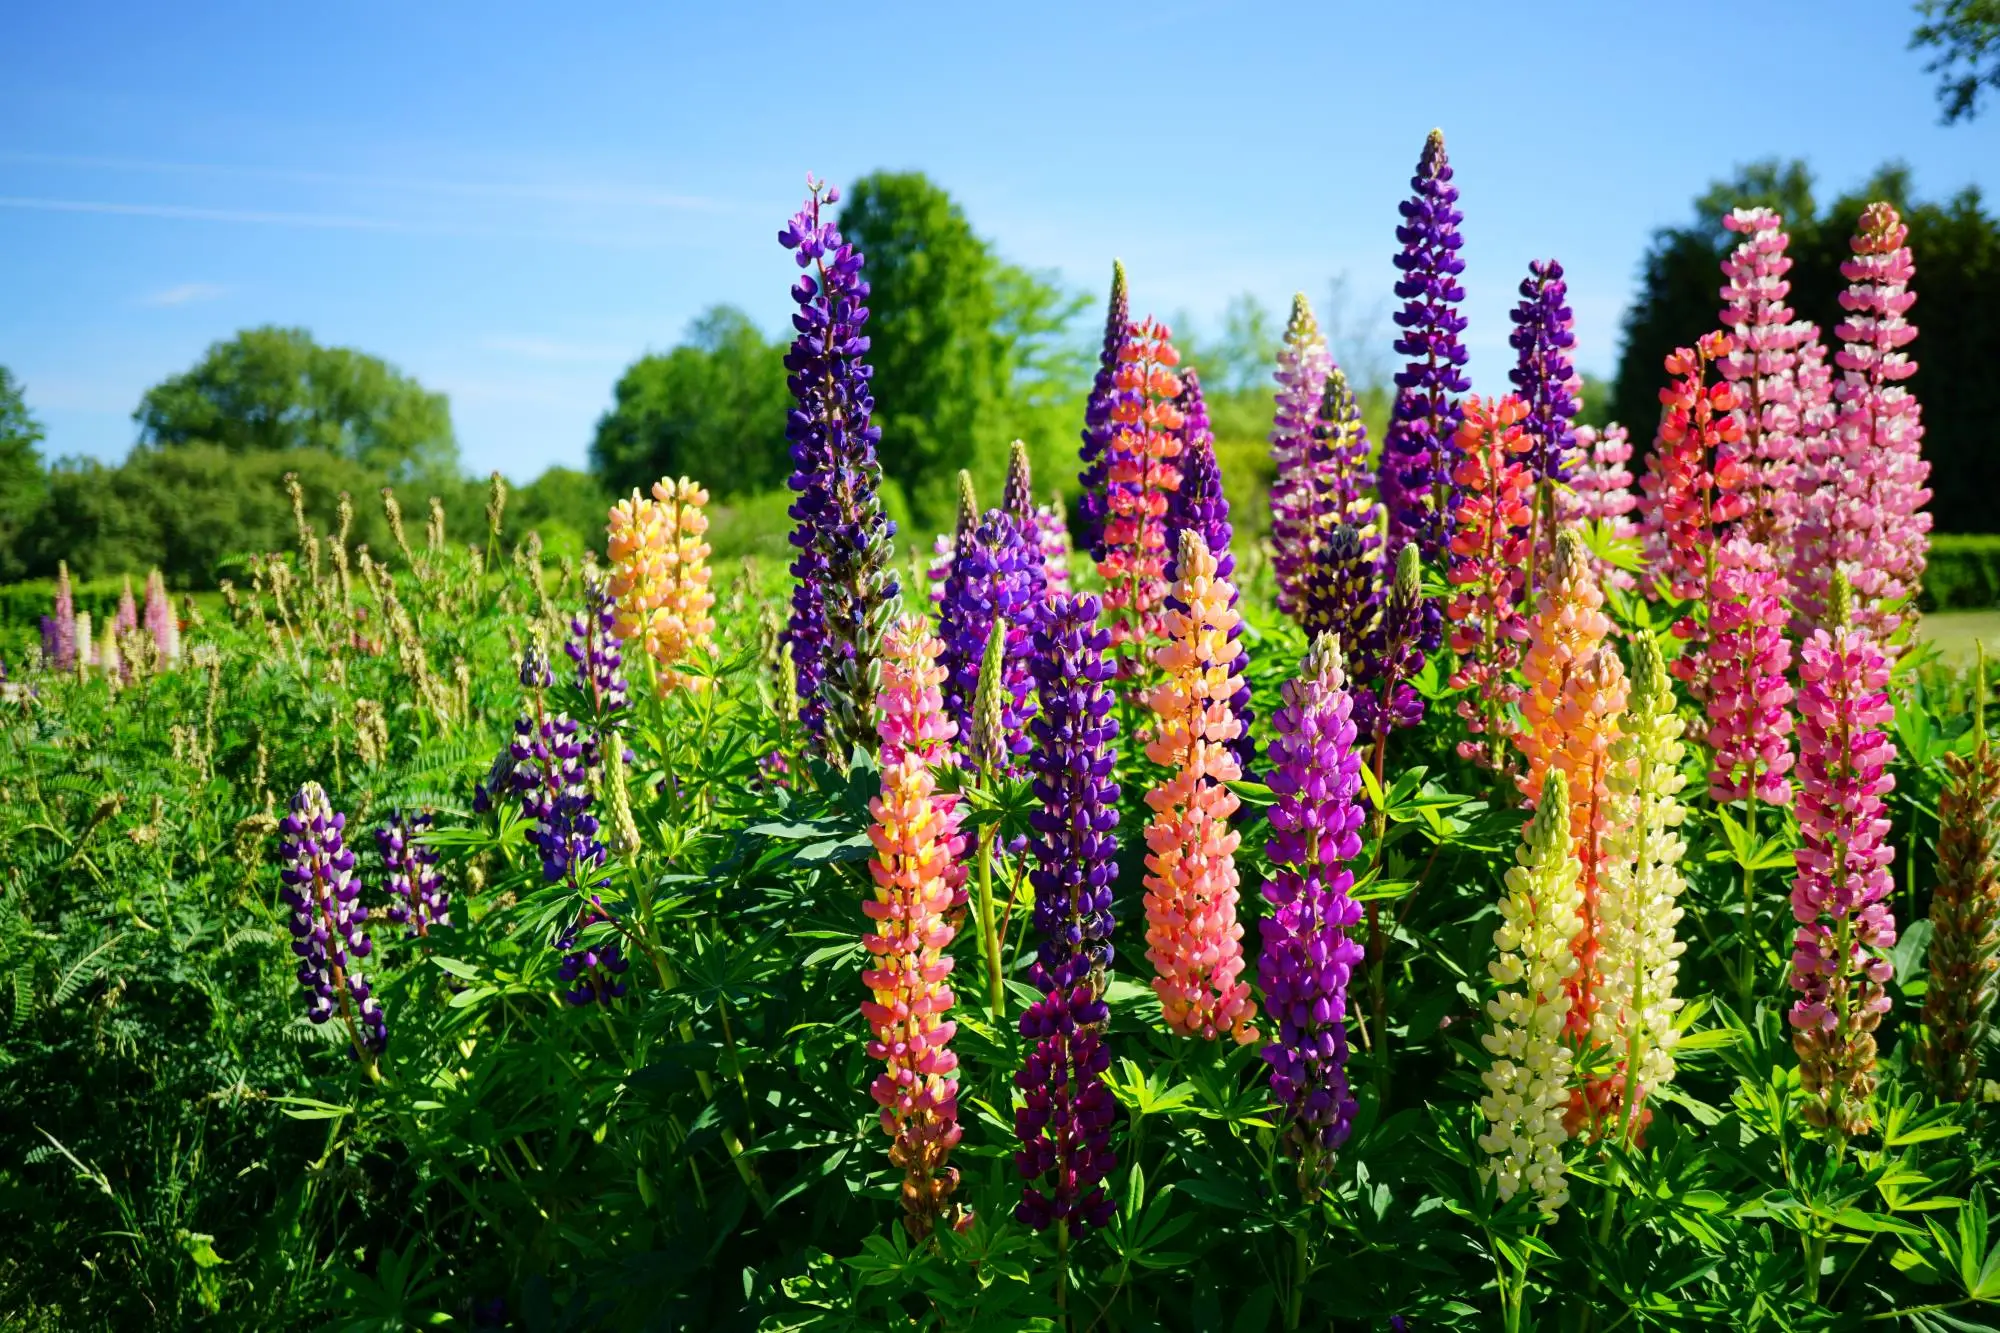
x: 25, y: 603
x: 1963, y: 573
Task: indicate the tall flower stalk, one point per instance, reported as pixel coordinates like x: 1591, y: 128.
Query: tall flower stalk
x: 1527, y: 1084
x: 1100, y: 426
x: 1199, y: 505
x: 1762, y: 365
x: 1310, y: 953
x: 917, y: 843
x: 659, y: 577
x: 1601, y: 492
x: 1964, y: 954
x: 1544, y: 377
x: 160, y: 621
x: 1693, y: 483
x: 1493, y: 496
x: 59, y: 646
x: 1141, y: 468
x: 1840, y: 897
x: 328, y: 924
x: 409, y: 873
x: 845, y: 591
x: 1297, y: 481
x: 1193, y: 937
x: 1064, y: 1122
x: 995, y: 578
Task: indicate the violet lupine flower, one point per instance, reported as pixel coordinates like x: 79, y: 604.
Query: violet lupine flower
x: 1017, y: 501
x: 1200, y: 505
x: 1093, y: 491
x: 1840, y: 963
x: 995, y: 576
x: 597, y: 653
x: 1543, y: 374
x: 1392, y: 654
x: 1303, y: 366
x: 327, y: 920
x: 1308, y: 956
x: 409, y: 873
x: 59, y: 632
x: 1412, y: 477
x: 846, y: 585
x: 1341, y: 593
x: 1065, y: 1124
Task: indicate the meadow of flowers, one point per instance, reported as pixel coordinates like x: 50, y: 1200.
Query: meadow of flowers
x: 1519, y: 893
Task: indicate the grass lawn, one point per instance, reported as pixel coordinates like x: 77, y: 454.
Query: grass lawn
x: 1955, y: 632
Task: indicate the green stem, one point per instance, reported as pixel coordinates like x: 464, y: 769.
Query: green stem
x: 1301, y: 1271
x: 989, y: 935
x: 1746, y: 984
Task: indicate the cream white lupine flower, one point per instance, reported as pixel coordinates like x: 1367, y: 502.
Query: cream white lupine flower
x: 1642, y: 882
x: 1527, y: 1085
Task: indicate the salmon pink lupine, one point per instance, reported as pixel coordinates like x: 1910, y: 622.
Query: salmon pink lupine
x: 845, y: 589
x: 1867, y: 518
x: 1742, y: 677
x: 1691, y: 490
x: 1193, y: 937
x: 1762, y: 364
x: 1100, y: 426
x: 916, y: 866
x: 1296, y: 484
x: 1064, y: 1121
x: 1309, y: 953
x: 1141, y: 468
x: 1493, y: 497
x: 1527, y: 1085
x: 1840, y: 897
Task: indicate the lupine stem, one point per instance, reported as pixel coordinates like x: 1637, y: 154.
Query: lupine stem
x: 989, y: 937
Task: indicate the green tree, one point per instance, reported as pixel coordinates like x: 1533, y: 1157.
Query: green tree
x: 1966, y: 34
x: 712, y: 409
x: 566, y: 506
x: 1957, y: 251
x: 24, y: 486
x: 271, y: 389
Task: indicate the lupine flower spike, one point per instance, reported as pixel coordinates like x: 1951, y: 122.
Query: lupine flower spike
x: 1762, y: 365
x: 1309, y: 952
x: 409, y: 873
x: 1742, y: 677
x: 59, y: 647
x: 1425, y: 417
x: 1392, y: 653
x: 659, y: 577
x: 1840, y: 897
x: 161, y: 622
x: 1200, y: 506
x: 327, y: 922
x: 1493, y: 494
x: 846, y: 588
x: 1142, y: 467
x: 1064, y: 1122
x: 1639, y: 887
x: 995, y: 577
x: 917, y: 844
x: 1693, y: 481
x: 1296, y: 486
x: 1193, y: 937
x: 1601, y: 492
x: 126, y: 618
x: 1052, y: 539
x: 1544, y: 377
x: 1527, y: 1085
x: 596, y: 651
x: 1100, y: 424
x: 1018, y: 501
x: 1866, y: 518
x: 1964, y: 953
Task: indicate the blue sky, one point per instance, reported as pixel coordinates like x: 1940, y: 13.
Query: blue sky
x: 511, y: 203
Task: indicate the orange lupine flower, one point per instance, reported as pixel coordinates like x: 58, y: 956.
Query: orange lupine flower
x: 659, y: 576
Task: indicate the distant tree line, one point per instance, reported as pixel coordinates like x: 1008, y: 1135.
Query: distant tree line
x: 1957, y: 313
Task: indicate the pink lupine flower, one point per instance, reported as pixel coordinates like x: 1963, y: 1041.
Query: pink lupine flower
x: 1741, y: 677
x: 1761, y: 365
x: 1601, y: 492
x: 1840, y: 897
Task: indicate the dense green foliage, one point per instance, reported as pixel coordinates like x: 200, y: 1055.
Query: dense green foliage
x: 184, y: 1150
x: 1957, y: 248
x: 1966, y: 36
x: 1963, y: 573
x: 23, y: 485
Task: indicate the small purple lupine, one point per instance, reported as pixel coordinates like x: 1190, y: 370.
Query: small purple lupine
x: 1017, y: 500
x: 1092, y: 504
x: 1309, y: 956
x: 1413, y: 478
x: 1391, y: 655
x: 1296, y: 483
x: 1200, y: 505
x: 1065, y: 1123
x: 1543, y: 372
x: 409, y: 873
x: 846, y: 587
x: 597, y: 653
x: 59, y: 643
x: 328, y: 922
x: 996, y: 574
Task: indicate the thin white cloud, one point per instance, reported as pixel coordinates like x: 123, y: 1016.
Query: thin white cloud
x: 186, y: 293
x: 555, y: 350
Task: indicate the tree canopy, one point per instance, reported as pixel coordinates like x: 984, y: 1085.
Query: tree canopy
x: 1957, y: 251
x: 23, y: 485
x: 1966, y: 36
x: 271, y: 389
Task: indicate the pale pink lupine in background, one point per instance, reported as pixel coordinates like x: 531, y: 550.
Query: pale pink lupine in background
x: 1742, y: 681
x: 1601, y: 492
x: 160, y: 621
x: 1865, y: 518
x: 126, y: 618
x: 1762, y: 365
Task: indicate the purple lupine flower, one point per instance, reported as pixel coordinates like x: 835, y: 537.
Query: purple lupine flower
x: 1065, y: 1123
x: 409, y: 872
x: 846, y: 586
x: 1341, y: 590
x: 1017, y: 501
x: 996, y: 574
x: 1413, y: 480
x: 1092, y: 504
x: 1296, y: 483
x: 1339, y: 452
x: 499, y: 778
x: 1308, y: 955
x: 1201, y: 506
x: 597, y: 653
x: 1389, y: 656
x: 1543, y: 372
x: 327, y: 921
x: 59, y: 646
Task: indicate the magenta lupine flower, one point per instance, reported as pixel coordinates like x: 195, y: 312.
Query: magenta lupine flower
x: 1052, y: 540
x: 1411, y: 478
x: 409, y: 873
x: 1308, y: 955
x: 1742, y: 680
x: 1303, y: 365
x: 1601, y: 492
x: 1099, y: 428
x: 995, y: 576
x: 1762, y: 365
x: 126, y: 617
x: 1865, y: 518
x: 1200, y: 506
x: 1840, y: 898
x: 327, y: 920
x: 1065, y: 1121
x: 845, y: 581
x: 59, y: 631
